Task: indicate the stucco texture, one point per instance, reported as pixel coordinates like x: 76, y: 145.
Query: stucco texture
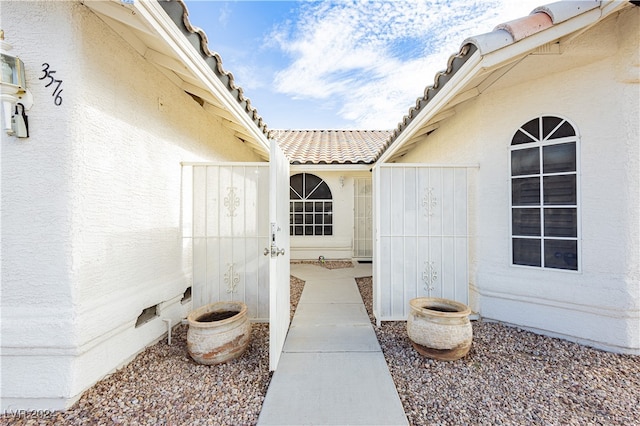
x: 594, y: 85
x: 91, y: 204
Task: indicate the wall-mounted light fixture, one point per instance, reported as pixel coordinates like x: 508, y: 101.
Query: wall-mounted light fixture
x: 16, y: 99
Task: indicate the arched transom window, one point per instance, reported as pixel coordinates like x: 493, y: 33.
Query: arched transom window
x: 544, y: 194
x: 311, y: 206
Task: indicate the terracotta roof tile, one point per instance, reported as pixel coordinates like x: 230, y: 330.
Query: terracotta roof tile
x: 331, y: 146
x: 563, y: 10
x: 524, y: 27
x: 503, y: 35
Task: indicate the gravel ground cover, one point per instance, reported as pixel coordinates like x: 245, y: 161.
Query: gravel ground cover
x: 511, y: 377
x: 164, y: 386
x: 329, y: 264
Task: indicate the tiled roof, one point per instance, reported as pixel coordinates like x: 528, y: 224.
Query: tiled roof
x: 503, y: 35
x: 539, y: 19
x: 331, y: 146
x: 179, y: 14
x: 366, y: 146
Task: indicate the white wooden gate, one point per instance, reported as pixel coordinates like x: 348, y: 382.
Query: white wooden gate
x: 239, y: 215
x: 421, y: 236
x: 230, y: 228
x: 278, y: 252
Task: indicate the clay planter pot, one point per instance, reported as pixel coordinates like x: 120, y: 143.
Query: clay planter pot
x: 218, y: 332
x: 439, y: 328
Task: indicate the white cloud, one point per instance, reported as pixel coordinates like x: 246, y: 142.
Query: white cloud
x: 375, y: 58
x: 225, y: 15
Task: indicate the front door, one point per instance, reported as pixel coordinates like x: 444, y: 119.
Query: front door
x: 362, y: 219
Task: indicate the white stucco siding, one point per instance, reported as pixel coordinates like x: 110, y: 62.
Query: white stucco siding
x: 598, y: 305
x: 38, y: 333
x: 91, y: 204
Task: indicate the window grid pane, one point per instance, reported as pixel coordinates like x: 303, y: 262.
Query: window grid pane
x: 561, y: 254
x: 525, y: 191
x: 526, y: 222
x: 544, y: 195
x: 525, y: 162
x: 560, y: 222
x: 526, y: 252
x: 560, y: 190
x: 312, y: 213
x: 559, y: 158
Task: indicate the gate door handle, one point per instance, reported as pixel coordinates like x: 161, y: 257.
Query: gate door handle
x: 274, y: 251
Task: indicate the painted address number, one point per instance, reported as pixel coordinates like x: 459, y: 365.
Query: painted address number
x: 48, y: 73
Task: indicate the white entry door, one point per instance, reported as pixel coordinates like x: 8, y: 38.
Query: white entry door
x: 421, y: 236
x: 237, y: 217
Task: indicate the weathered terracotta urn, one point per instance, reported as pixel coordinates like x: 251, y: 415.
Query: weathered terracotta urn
x: 439, y: 328
x: 218, y: 332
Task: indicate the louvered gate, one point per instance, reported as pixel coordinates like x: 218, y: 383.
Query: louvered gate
x: 239, y: 230
x: 421, y: 236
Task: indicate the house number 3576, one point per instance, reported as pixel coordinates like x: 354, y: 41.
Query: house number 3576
x: 48, y: 74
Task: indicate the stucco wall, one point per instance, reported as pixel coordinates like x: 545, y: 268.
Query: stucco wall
x: 340, y: 244
x: 91, y: 204
x: 593, y: 84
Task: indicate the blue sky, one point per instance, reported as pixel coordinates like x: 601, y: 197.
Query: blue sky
x: 342, y: 64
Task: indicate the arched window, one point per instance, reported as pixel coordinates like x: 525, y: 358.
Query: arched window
x: 311, y: 206
x: 544, y: 194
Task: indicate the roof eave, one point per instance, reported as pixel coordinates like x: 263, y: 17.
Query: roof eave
x: 174, y: 34
x: 469, y: 69
x: 341, y: 167
x: 484, y: 59
x: 168, y: 42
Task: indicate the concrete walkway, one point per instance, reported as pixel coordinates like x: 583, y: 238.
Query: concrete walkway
x: 332, y: 371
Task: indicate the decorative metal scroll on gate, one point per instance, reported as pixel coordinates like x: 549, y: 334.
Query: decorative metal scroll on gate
x: 429, y: 202
x: 429, y: 276
x: 231, y: 278
x: 231, y: 201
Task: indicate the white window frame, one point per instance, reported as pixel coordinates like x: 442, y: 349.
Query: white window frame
x: 304, y: 200
x: 540, y: 143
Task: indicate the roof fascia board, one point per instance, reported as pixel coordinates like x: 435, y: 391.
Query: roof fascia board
x: 330, y: 167
x: 613, y: 6
x: 122, y: 29
x: 122, y: 15
x: 607, y: 9
x: 470, y: 68
x: 222, y: 163
x: 515, y: 51
x: 440, y: 165
x: 156, y: 17
x: 496, y: 59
